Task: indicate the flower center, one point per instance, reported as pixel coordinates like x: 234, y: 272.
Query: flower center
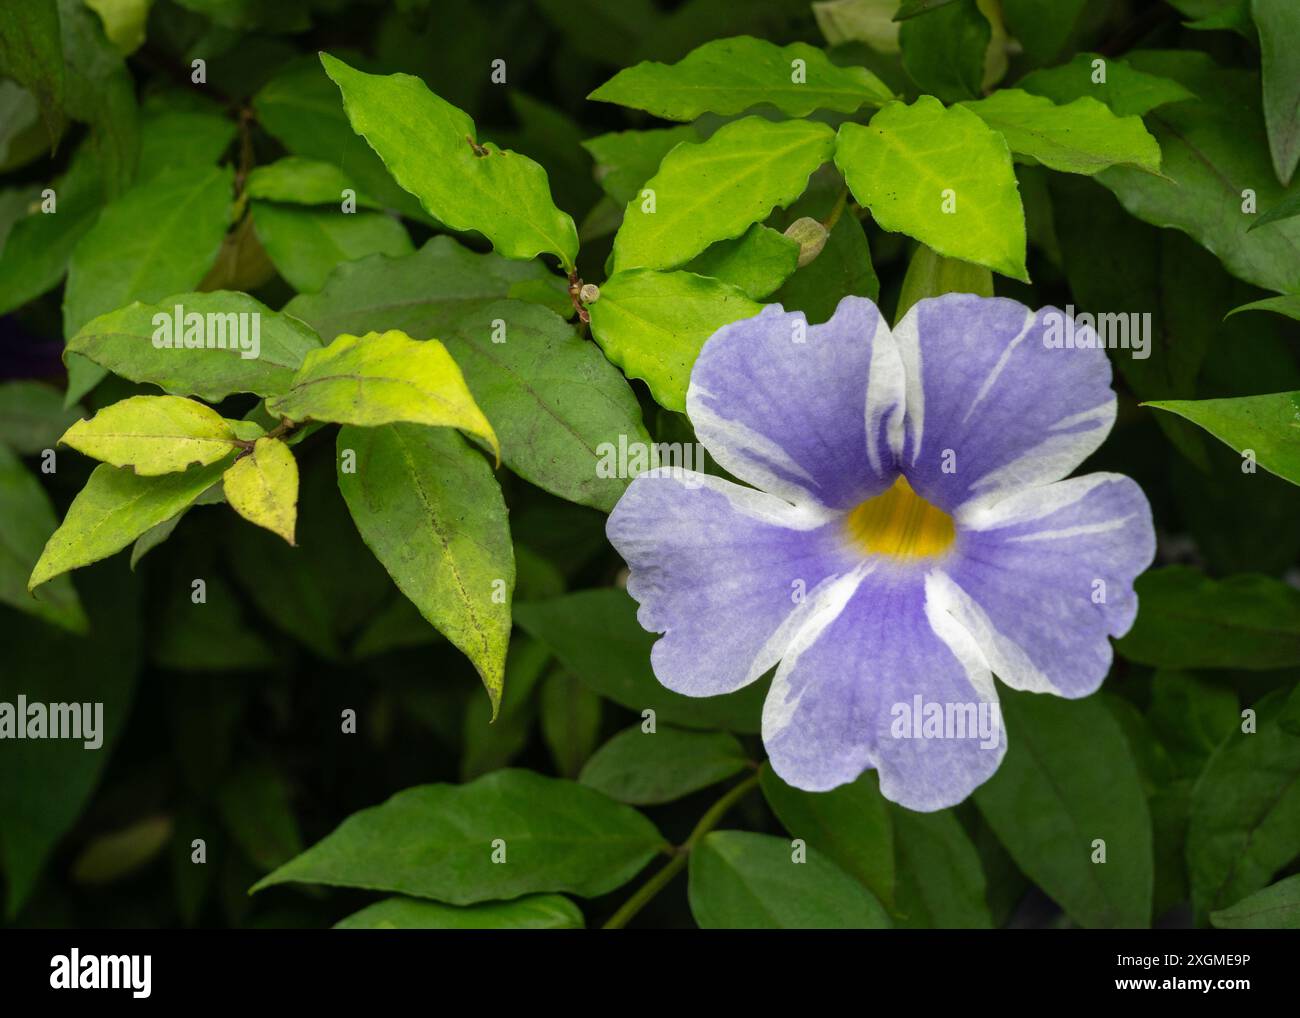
x: 901, y: 524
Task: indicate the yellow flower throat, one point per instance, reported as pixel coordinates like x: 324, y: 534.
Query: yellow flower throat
x: 900, y: 524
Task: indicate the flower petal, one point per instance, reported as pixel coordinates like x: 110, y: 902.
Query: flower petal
x: 810, y: 413
x: 846, y: 695
x: 1044, y: 576
x: 990, y: 407
x: 720, y: 570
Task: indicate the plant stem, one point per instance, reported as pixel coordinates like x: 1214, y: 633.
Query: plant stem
x: 837, y: 211
x: 646, y: 892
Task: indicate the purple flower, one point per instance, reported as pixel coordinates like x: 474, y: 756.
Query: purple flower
x: 908, y: 535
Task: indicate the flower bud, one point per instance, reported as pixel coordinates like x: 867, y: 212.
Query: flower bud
x: 810, y: 235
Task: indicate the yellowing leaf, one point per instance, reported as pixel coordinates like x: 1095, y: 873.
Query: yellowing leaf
x: 383, y: 378
x: 154, y: 435
x: 263, y: 487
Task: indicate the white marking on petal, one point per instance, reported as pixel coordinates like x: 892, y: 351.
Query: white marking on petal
x: 991, y: 380
x: 908, y: 341
x: 818, y: 614
x: 886, y: 393
x: 1006, y: 657
x: 1079, y: 531
x: 958, y: 638
x: 757, y: 505
x: 990, y: 512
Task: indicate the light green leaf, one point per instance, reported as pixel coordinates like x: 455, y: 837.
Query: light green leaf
x: 1278, y: 23
x: 114, y: 508
x: 117, y: 262
x: 438, y: 841
x: 263, y: 487
x: 383, y: 378
x: 176, y: 138
x: 1069, y: 779
x: 740, y: 880
x: 849, y: 824
x: 1081, y: 137
x: 756, y: 263
x: 32, y: 416
x: 1213, y: 151
x: 647, y: 768
x: 932, y: 275
x: 941, y: 883
x: 122, y: 341
x: 429, y: 508
x: 28, y: 523
x: 596, y: 636
x: 560, y: 406
x: 729, y: 76
x: 867, y: 21
x: 1187, y: 620
x: 1244, y: 824
x: 1274, y: 908
x: 305, y: 244
x: 432, y: 149
x: 625, y: 160
x: 715, y: 189
x: 912, y: 162
x: 1288, y: 305
x: 1126, y: 90
x: 531, y: 912
x: 652, y: 325
x: 1267, y: 426
x: 154, y: 435
x: 303, y: 182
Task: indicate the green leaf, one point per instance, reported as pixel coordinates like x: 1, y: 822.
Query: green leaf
x: 1083, y: 136
x: 36, y: 252
x: 1043, y: 26
x: 1268, y: 426
x: 596, y: 635
x: 99, y: 91
x: 1186, y: 620
x: 28, y: 523
x: 941, y: 881
x: 429, y: 508
x: 1278, y: 22
x: 1277, y: 907
x: 300, y: 107
x: 1126, y: 90
x: 625, y: 160
x: 1068, y: 781
x: 1288, y: 305
x: 111, y: 857
x: 32, y: 416
x: 932, y: 275
x: 756, y: 263
x: 740, y: 880
x: 263, y: 487
x: 418, y: 294
x: 647, y: 768
x: 383, y: 378
x: 31, y: 52
x: 570, y: 718
x: 560, y: 406
x: 302, y: 182
x: 114, y: 508
x: 843, y: 268
x: 894, y: 168
x: 438, y: 841
x: 1213, y: 151
x: 944, y: 52
x: 531, y: 912
x: 307, y: 244
x: 729, y: 76
x: 1192, y: 716
x: 652, y: 325
x: 122, y: 341
x: 1244, y: 824
x: 849, y: 824
x: 154, y: 435
x: 432, y: 149
x: 715, y: 189
x: 177, y: 138
x: 46, y: 783
x: 117, y: 262
x: 1286, y: 208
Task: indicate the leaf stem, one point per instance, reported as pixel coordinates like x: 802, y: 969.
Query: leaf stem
x: 646, y: 892
x: 837, y: 211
